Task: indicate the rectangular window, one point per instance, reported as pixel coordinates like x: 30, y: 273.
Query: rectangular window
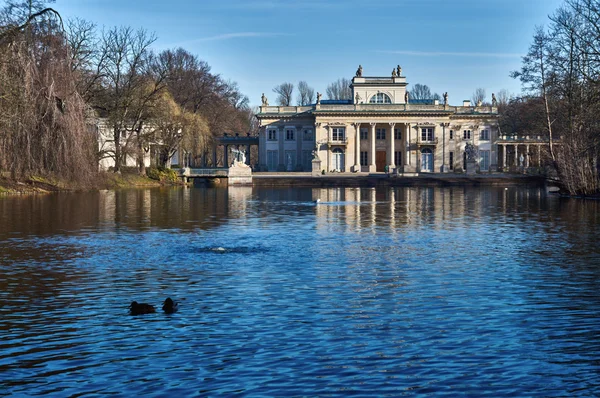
x: 307, y: 135
x: 272, y: 160
x: 398, y: 158
x: 380, y: 134
x: 397, y: 134
x: 337, y: 134
x: 426, y: 134
x: 272, y: 135
x: 484, y: 160
x: 307, y: 160
x: 290, y: 160
x: 289, y: 135
x: 451, y: 160
x: 451, y: 134
x: 484, y: 135
x: 364, y: 134
x: 466, y: 134
x: 364, y: 158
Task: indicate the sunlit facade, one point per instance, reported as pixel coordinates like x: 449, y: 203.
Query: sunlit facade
x: 379, y: 129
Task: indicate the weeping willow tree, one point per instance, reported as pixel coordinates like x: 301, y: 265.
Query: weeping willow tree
x: 42, y: 116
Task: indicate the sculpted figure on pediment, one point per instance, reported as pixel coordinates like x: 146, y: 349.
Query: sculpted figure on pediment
x: 359, y: 71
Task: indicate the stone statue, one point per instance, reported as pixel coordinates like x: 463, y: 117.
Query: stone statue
x: 394, y: 73
x: 359, y: 71
x: 521, y: 159
x: 494, y: 101
x: 479, y: 103
x: 319, y: 97
x: 406, y: 97
x: 289, y: 162
x: 470, y: 151
x: 240, y: 157
x: 446, y: 98
x: 399, y: 71
x: 265, y: 101
x: 357, y: 98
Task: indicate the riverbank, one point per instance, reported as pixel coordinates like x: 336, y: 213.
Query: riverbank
x: 382, y: 179
x: 104, y: 180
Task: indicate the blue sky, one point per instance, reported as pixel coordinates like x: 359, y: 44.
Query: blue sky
x: 450, y: 45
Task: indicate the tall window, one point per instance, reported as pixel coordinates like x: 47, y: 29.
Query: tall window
x: 307, y: 135
x: 467, y: 134
x: 337, y: 134
x: 451, y: 160
x: 272, y: 135
x: 451, y: 134
x: 398, y: 158
x: 427, y: 134
x: 364, y: 134
x: 364, y: 158
x: 397, y: 134
x: 484, y: 135
x: 272, y: 160
x: 380, y: 134
x: 380, y: 98
x: 307, y: 160
x: 289, y: 135
x: 484, y: 160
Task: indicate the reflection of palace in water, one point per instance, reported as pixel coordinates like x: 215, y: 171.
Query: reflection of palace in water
x: 401, y: 207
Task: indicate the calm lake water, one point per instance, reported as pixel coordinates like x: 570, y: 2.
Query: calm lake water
x: 374, y: 292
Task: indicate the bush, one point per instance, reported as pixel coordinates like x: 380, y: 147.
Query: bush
x: 161, y: 174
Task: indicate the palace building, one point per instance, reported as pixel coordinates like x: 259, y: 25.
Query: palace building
x: 380, y: 129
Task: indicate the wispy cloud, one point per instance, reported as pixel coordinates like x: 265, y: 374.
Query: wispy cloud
x: 453, y: 54
x: 237, y: 35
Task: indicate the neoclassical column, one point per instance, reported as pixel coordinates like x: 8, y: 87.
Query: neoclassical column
x: 539, y: 148
x: 357, y: 147
x: 407, y: 144
x: 444, y: 165
x: 516, y: 162
x: 503, y: 157
x: 299, y: 142
x: 372, y: 165
x: 527, y: 156
x: 391, y: 148
x: 214, y: 159
x: 226, y: 155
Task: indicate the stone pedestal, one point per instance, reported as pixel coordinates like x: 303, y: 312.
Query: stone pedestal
x: 471, y: 167
x: 239, y: 174
x: 316, y: 167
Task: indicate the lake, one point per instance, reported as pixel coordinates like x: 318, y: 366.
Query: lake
x: 452, y: 291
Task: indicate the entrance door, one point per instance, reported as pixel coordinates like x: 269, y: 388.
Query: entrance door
x: 337, y: 159
x: 380, y: 158
x: 426, y: 160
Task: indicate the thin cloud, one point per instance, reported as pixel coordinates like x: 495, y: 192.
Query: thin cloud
x: 238, y: 35
x: 454, y: 54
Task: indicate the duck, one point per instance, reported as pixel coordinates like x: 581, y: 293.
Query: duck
x: 141, y: 308
x: 169, y: 306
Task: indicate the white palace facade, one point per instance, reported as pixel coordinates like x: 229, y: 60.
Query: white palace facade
x: 380, y: 129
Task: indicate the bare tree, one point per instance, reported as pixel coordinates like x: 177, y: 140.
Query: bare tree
x: 503, y: 97
x: 284, y: 93
x: 339, y: 90
x: 478, y: 96
x: 420, y: 92
x: 306, y: 94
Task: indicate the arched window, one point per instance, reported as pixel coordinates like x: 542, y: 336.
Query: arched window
x: 380, y: 98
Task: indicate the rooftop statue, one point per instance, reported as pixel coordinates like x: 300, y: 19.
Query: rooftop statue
x: 357, y: 98
x: 359, y: 71
x: 265, y: 101
x: 394, y: 73
x: 446, y: 98
x: 406, y: 97
x: 399, y: 71
x: 319, y: 97
x: 479, y: 103
x: 494, y: 101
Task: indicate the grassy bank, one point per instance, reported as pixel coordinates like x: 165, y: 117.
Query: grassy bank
x: 104, y: 180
